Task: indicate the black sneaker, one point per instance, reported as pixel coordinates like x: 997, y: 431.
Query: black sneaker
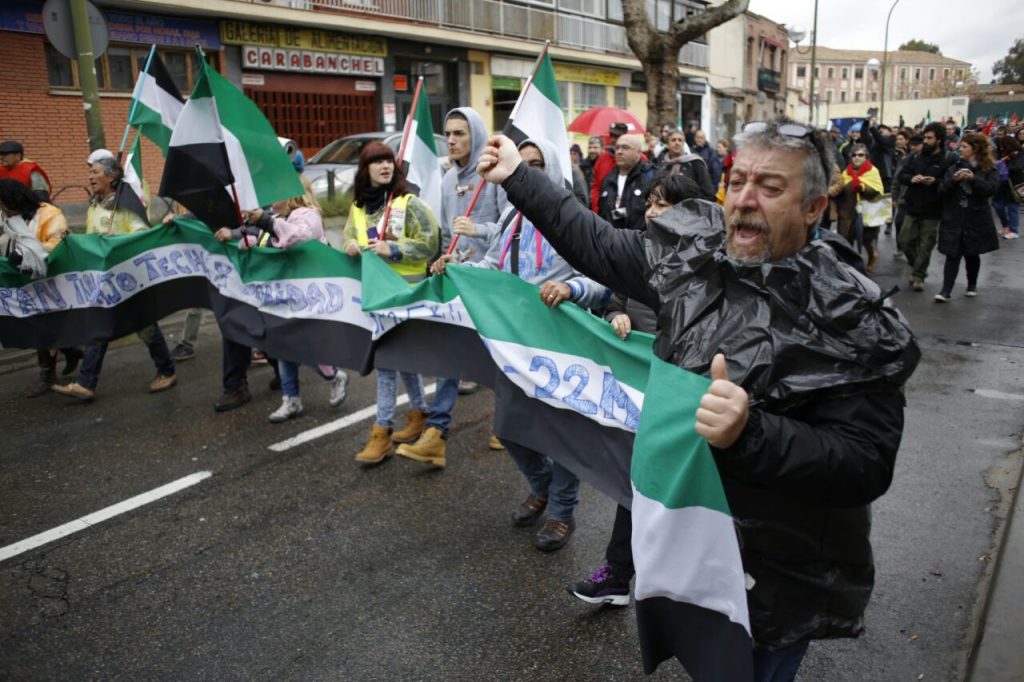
x: 183, y: 351
x: 602, y: 587
x: 232, y: 399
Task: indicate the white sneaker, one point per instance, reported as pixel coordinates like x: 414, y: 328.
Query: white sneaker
x: 339, y: 389
x: 290, y: 407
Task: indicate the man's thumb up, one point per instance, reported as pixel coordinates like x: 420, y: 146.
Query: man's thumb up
x: 718, y: 368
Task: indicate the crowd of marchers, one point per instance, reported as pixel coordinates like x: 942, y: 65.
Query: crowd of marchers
x: 789, y: 194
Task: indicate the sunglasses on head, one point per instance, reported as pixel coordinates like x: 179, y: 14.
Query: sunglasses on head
x: 796, y: 131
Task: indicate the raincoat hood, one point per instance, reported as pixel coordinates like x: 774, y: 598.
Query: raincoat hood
x: 552, y: 169
x: 478, y: 140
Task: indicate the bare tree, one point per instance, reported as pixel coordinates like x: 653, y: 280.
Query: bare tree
x: 659, y: 52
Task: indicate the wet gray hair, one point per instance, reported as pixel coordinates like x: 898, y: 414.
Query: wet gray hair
x: 812, y: 145
x: 111, y: 168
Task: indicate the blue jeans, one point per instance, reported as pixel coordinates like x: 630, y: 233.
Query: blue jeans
x: 547, y: 478
x: 443, y: 404
x: 1008, y: 211
x: 95, y: 351
x: 289, y: 372
x: 781, y: 665
x: 387, y: 394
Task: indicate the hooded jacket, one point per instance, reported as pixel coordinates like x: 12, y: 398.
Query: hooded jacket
x: 823, y: 358
x: 539, y: 262
x: 457, y: 188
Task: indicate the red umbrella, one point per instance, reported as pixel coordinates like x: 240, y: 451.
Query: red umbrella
x: 596, y: 121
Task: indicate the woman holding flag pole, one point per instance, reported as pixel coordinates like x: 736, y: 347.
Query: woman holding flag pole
x: 389, y: 220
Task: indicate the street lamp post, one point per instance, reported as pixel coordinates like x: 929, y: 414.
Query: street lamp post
x: 796, y: 34
x: 885, y: 62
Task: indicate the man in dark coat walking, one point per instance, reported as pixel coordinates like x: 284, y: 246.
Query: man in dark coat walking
x: 921, y: 202
x: 805, y: 435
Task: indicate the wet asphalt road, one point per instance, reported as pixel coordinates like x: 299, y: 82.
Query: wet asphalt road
x: 303, y: 565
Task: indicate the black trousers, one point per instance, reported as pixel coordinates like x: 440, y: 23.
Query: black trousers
x: 619, y: 553
x: 236, y: 361
x: 952, y: 269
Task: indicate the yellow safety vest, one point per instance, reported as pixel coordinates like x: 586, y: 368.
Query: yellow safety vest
x: 396, y: 223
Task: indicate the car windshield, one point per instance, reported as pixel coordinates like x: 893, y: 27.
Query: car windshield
x: 346, y: 150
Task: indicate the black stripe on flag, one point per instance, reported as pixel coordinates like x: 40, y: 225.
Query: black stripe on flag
x: 711, y: 647
x: 196, y: 176
x: 163, y: 79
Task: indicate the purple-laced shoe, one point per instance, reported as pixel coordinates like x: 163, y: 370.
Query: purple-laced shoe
x: 602, y: 587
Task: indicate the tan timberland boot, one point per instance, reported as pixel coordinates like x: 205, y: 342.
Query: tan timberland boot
x: 430, y: 448
x: 378, y: 447
x: 413, y: 428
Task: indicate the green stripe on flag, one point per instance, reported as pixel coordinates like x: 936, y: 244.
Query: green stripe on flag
x: 545, y: 81
x: 671, y: 463
x: 424, y: 124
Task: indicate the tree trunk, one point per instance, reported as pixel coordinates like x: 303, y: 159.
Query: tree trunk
x: 659, y: 52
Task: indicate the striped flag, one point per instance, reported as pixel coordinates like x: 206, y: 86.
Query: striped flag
x: 691, y: 600
x: 224, y: 147
x: 263, y: 172
x: 538, y: 114
x: 420, y: 154
x: 130, y: 193
x: 156, y: 102
x: 197, y: 173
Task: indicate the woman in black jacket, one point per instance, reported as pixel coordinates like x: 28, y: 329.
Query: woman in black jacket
x: 967, y: 229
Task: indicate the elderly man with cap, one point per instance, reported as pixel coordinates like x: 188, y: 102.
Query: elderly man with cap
x: 14, y: 166
x: 605, y: 164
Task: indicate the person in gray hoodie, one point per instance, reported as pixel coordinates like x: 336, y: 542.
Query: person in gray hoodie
x: 523, y: 251
x: 466, y: 137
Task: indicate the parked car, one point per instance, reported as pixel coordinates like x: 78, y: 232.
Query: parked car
x: 342, y: 157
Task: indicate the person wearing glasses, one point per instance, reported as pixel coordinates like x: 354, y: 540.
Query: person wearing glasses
x: 861, y: 207
x: 622, y: 192
x: 805, y: 413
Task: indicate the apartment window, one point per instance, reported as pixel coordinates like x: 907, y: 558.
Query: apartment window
x: 58, y: 68
x: 563, y: 95
x: 660, y: 13
x: 750, y: 51
x: 858, y: 73
x: 621, y: 98
x: 903, y: 73
x: 545, y: 3
x: 874, y: 96
x: 945, y: 74
x: 845, y: 73
x: 587, y: 96
x: 842, y: 96
x: 831, y: 73
x: 828, y: 96
x: 615, y: 10
x: 959, y: 73
x: 591, y: 8
x: 856, y: 96
x: 119, y: 68
x: 874, y: 76
x: 917, y: 75
x: 817, y: 72
x: 801, y: 71
x: 931, y: 74
x: 916, y: 94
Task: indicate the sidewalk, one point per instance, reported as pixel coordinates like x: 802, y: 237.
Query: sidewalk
x: 998, y: 653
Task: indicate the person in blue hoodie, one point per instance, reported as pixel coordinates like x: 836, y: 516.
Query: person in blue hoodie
x: 522, y: 250
x: 466, y: 137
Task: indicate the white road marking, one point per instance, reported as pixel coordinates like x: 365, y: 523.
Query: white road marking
x: 102, y: 515
x: 339, y: 424
x: 998, y: 395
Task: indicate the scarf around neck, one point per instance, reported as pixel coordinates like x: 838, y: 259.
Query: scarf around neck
x: 856, y: 173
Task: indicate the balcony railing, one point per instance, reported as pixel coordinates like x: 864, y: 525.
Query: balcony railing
x: 500, y: 18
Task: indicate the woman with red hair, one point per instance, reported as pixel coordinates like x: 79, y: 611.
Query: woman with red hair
x: 392, y: 222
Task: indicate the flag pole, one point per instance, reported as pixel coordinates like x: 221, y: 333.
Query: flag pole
x: 469, y: 210
x: 135, y: 101
x: 401, y: 152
